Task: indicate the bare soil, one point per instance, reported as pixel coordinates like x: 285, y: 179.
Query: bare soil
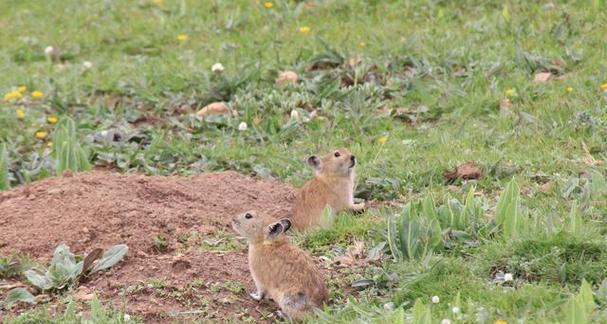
x: 200, y: 273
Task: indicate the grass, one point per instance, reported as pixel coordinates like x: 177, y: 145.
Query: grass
x: 425, y: 98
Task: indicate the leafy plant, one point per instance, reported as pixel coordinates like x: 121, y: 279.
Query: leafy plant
x: 415, y: 232
x: 17, y: 295
x: 66, y: 271
x: 508, y: 214
x: 4, y: 179
x: 67, y: 150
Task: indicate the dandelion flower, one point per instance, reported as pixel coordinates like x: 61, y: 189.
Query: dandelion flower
x: 511, y: 92
x: 242, y: 127
x: 508, y: 277
x: 604, y: 86
x: 20, y: 113
x: 22, y: 89
x: 456, y: 310
x: 87, y: 65
x: 52, y: 119
x: 500, y: 321
x: 268, y: 5
x: 304, y: 29
x: 49, y: 50
x: 37, y: 94
x: 41, y: 134
x: 382, y: 140
x: 217, y: 68
x: 13, y: 95
x: 435, y: 299
x: 569, y: 89
x: 182, y: 37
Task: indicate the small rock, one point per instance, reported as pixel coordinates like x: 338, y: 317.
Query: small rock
x: 287, y: 77
x: 83, y: 294
x: 216, y: 108
x: 542, y: 77
x: 466, y: 171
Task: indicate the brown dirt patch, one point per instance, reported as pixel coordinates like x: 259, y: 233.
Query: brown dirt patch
x: 202, y: 272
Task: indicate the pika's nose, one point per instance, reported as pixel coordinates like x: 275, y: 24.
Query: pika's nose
x: 353, y: 158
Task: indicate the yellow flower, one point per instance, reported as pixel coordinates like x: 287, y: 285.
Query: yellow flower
x: 304, y: 29
x: 157, y: 2
x: 49, y: 144
x: 37, y: 94
x: 182, y: 37
x: 569, y: 89
x: 12, y: 95
x: 41, y: 134
x: 382, y: 140
x: 268, y: 5
x: 511, y: 92
x: 500, y: 321
x: 362, y: 44
x: 604, y: 86
x: 52, y: 119
x: 20, y: 113
x: 22, y: 89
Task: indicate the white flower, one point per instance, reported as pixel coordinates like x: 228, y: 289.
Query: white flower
x: 294, y: 114
x: 217, y: 68
x: 127, y: 317
x: 456, y: 310
x: 87, y: 65
x: 242, y: 127
x: 389, y: 306
x: 435, y: 299
x: 508, y: 277
x: 445, y: 321
x: 49, y: 50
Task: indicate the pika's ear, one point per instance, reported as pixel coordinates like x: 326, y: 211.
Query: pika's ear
x: 274, y: 230
x: 286, y: 224
x: 314, y: 162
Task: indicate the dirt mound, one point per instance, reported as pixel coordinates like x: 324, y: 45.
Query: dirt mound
x: 183, y: 261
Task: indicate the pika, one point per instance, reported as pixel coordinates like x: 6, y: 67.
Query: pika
x: 281, y: 271
x: 332, y: 185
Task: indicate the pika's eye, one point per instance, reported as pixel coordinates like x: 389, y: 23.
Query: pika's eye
x: 337, y: 154
x: 248, y: 216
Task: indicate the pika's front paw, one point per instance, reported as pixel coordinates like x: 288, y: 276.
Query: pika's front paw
x: 360, y: 207
x: 258, y: 296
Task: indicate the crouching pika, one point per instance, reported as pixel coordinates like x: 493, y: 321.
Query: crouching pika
x: 281, y: 271
x: 333, y: 185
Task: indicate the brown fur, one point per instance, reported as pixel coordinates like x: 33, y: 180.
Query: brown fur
x: 281, y: 271
x: 333, y: 185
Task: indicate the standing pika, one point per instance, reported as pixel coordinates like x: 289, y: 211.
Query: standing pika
x: 281, y: 271
x: 333, y: 185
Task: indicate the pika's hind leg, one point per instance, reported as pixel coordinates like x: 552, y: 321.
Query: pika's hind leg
x: 294, y: 306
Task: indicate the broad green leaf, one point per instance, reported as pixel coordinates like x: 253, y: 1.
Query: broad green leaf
x: 4, y: 180
x: 508, y: 214
x: 111, y: 257
x: 18, y: 295
x: 39, y: 280
x: 421, y: 313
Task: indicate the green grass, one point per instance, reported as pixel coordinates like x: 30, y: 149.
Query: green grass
x: 441, y: 70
